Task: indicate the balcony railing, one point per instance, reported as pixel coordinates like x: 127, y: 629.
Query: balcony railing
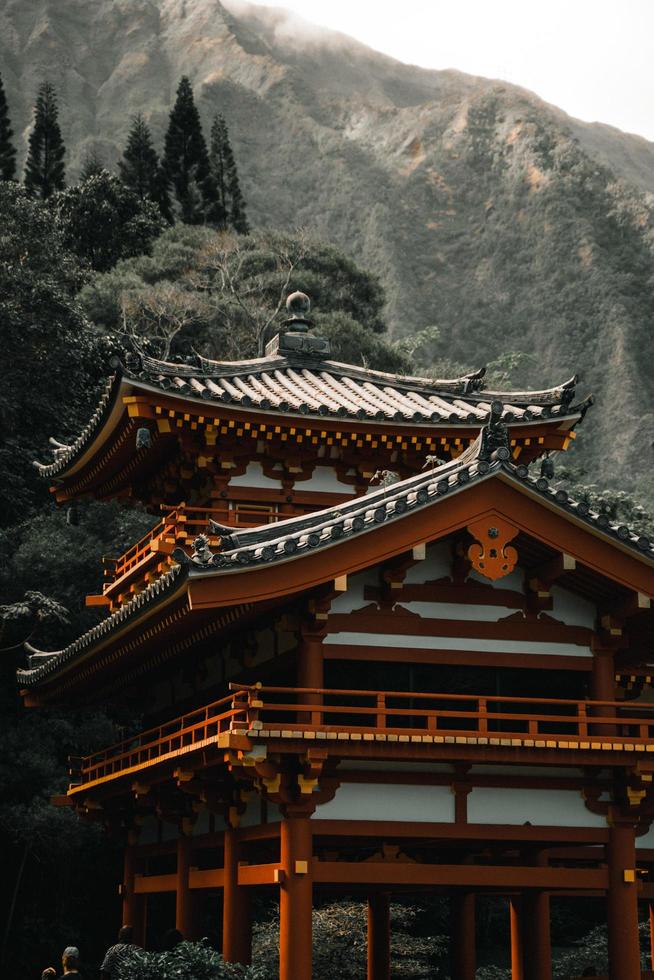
x: 288, y: 713
x: 150, y: 557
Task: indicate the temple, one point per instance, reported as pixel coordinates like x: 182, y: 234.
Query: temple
x: 376, y: 651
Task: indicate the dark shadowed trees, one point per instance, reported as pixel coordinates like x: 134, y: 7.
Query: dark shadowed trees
x: 139, y: 168
x: 186, y: 162
x: 45, y: 170
x: 101, y: 221
x: 7, y: 148
x: 231, y: 205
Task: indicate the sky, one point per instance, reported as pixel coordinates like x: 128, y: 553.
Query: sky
x: 592, y: 58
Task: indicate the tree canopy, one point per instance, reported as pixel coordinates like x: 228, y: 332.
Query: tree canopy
x: 45, y: 170
x: 7, y: 148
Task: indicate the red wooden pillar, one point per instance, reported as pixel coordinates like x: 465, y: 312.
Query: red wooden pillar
x: 624, y: 949
x: 295, y: 898
x: 603, y: 687
x: 185, y: 900
x: 237, y: 920
x: 379, y: 937
x: 463, y: 930
x: 310, y: 670
x: 517, y: 940
x: 133, y: 904
x: 538, y: 961
x: 538, y: 948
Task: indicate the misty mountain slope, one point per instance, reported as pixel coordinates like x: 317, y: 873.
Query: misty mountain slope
x: 483, y: 209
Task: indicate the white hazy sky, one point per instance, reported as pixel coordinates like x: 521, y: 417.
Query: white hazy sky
x: 592, y: 58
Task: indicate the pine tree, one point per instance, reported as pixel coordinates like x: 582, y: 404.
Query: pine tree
x: 186, y: 161
x: 7, y: 148
x: 139, y: 168
x: 44, y: 169
x: 231, y: 205
x: 92, y: 165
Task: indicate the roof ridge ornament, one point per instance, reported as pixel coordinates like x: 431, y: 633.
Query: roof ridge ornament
x: 494, y: 436
x: 293, y: 338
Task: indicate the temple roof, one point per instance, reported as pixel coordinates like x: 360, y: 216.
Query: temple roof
x: 299, y: 385
x: 292, y: 539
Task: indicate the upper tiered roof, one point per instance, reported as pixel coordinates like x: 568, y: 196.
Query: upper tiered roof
x: 294, y: 385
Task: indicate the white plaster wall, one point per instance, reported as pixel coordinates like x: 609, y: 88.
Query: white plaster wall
x: 572, y: 609
x: 324, y: 479
x: 364, y: 801
x: 353, y: 599
x: 458, y: 610
x: 647, y: 840
x: 437, y: 564
x: 255, y: 477
x: 540, y: 807
x: 476, y: 645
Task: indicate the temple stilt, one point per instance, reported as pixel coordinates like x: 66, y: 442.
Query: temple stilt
x: 185, y: 901
x: 538, y: 961
x: 133, y: 904
x: 379, y: 937
x: 464, y: 953
x: 517, y: 940
x: 295, y: 899
x: 624, y: 949
x: 237, y: 920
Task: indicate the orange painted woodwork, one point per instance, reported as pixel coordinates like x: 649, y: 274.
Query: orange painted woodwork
x: 491, y: 555
x: 463, y: 936
x: 237, y: 918
x: 624, y: 946
x: 295, y: 899
x: 379, y: 937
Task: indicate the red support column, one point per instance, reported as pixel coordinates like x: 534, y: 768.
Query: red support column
x: 463, y: 932
x: 310, y: 670
x: 133, y: 904
x: 379, y: 937
x: 538, y: 961
x: 237, y: 920
x: 517, y: 940
x: 624, y: 949
x: 603, y: 687
x: 295, y: 898
x: 185, y: 901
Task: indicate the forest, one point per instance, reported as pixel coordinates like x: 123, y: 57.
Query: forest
x: 158, y: 257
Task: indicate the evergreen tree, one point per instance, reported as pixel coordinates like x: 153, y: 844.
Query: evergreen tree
x: 44, y: 170
x: 7, y: 148
x: 231, y: 205
x: 92, y: 165
x: 186, y: 161
x: 139, y: 168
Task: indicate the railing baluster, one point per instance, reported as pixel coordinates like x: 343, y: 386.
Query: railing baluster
x: 582, y: 720
x: 380, y: 719
x: 482, y: 707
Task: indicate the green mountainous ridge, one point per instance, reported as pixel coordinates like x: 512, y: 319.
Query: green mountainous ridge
x: 484, y: 210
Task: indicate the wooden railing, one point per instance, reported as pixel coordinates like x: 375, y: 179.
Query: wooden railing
x: 290, y: 712
x: 129, y: 573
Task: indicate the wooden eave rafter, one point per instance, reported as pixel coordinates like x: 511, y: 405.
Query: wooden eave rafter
x: 100, y: 468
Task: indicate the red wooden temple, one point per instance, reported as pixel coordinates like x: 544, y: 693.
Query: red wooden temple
x: 377, y: 654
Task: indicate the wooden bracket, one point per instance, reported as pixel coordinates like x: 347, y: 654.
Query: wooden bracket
x: 491, y: 555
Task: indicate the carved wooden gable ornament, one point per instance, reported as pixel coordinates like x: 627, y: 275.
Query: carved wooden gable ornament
x: 491, y: 555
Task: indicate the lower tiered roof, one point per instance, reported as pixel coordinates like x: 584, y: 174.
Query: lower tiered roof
x: 290, y: 541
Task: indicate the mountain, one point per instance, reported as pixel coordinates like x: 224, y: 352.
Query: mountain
x: 483, y: 209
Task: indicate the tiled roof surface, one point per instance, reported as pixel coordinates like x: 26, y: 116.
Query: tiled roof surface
x: 308, y: 387
x: 297, y: 536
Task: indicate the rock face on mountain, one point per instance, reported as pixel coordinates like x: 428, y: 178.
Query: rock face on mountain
x: 484, y: 210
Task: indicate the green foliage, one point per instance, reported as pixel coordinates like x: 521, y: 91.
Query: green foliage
x: 44, y: 170
x: 188, y: 961
x: 218, y: 293
x: 7, y: 148
x: 186, y: 162
x: 139, y: 167
x: 101, y: 221
x: 231, y: 206
x: 47, y: 341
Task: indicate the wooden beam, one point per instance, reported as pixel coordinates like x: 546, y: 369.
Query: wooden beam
x: 152, y: 884
x: 463, y: 875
